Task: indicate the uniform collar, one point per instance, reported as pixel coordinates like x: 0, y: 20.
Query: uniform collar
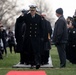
x: 33, y: 16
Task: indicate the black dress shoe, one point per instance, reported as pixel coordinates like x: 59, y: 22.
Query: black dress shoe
x: 37, y: 66
x: 1, y: 58
x: 21, y: 62
x: 62, y: 66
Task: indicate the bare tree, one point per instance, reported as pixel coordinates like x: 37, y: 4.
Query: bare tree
x: 7, y: 10
x: 45, y: 7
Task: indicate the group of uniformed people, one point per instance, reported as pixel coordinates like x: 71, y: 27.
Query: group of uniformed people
x: 33, y: 37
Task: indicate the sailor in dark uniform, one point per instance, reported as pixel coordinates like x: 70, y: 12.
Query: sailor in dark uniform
x: 71, y: 45
x: 47, y: 45
x: 19, y: 33
x: 47, y: 40
x: 32, y: 38
x: 69, y: 24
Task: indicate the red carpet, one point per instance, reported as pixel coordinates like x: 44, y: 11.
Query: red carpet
x: 26, y: 73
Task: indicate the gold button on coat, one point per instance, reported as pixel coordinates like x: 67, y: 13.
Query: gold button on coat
x: 35, y: 35
x: 35, y: 24
x: 30, y: 35
x: 35, y: 27
x: 30, y: 31
x: 30, y: 27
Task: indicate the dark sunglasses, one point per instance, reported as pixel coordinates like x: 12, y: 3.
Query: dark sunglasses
x: 32, y: 10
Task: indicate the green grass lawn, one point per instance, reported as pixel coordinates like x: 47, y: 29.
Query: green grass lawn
x: 12, y: 59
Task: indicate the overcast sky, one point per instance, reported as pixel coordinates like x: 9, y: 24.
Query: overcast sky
x: 68, y: 6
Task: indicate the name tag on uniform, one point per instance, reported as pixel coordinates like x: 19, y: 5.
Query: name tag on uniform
x: 74, y: 32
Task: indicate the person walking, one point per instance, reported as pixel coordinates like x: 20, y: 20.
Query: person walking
x: 32, y: 37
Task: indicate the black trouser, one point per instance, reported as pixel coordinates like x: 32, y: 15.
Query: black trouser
x: 46, y: 56
x: 22, y: 58
x: 1, y: 57
x: 27, y: 57
x: 11, y: 46
x: 1, y: 51
x: 30, y: 55
x: 62, y: 54
x: 45, y: 52
x: 4, y: 43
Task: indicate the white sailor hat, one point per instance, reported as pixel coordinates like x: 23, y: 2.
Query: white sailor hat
x: 33, y: 7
